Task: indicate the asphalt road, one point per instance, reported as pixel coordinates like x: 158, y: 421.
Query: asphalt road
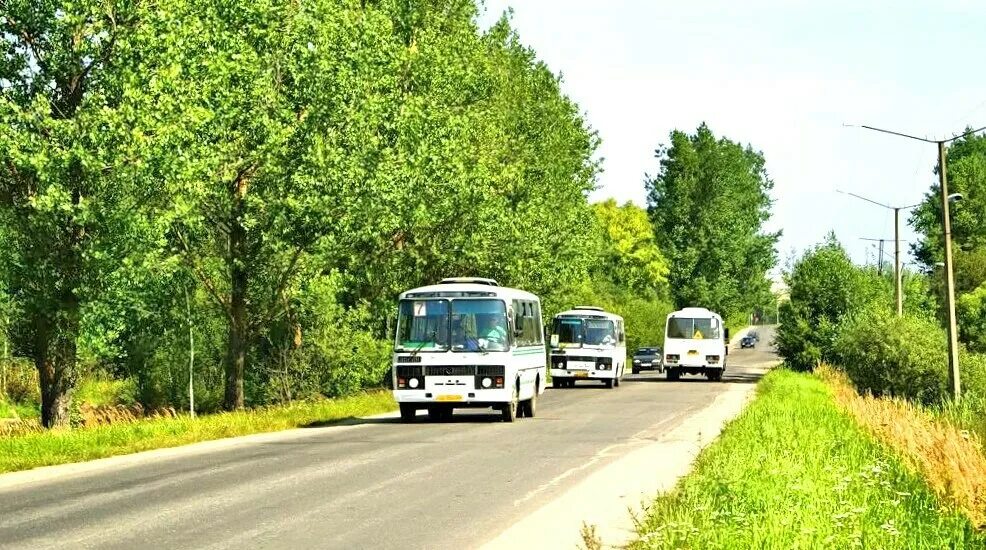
x: 378, y: 484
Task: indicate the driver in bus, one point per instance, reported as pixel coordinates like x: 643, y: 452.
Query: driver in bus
x: 493, y: 332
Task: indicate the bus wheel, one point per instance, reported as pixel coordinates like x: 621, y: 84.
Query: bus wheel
x: 509, y: 410
x: 616, y: 381
x: 408, y: 412
x: 529, y: 408
x: 555, y: 383
x: 673, y: 374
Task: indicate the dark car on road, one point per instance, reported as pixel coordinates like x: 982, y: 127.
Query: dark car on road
x: 648, y: 358
x: 748, y: 341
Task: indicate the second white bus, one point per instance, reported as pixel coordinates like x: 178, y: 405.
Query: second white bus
x: 587, y: 343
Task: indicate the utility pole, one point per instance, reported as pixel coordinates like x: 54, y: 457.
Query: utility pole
x: 897, y: 276
x: 953, y: 338
x: 898, y: 273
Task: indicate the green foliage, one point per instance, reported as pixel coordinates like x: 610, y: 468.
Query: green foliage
x: 966, y: 171
x: 824, y: 287
x: 820, y: 482
x: 631, y: 256
x: 101, y: 391
x: 891, y: 356
x: 255, y: 154
x: 708, y: 204
x: 971, y: 312
x: 20, y: 382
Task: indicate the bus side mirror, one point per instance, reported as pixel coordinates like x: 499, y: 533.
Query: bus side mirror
x: 727, y: 335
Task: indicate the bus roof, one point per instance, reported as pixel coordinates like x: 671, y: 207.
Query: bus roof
x: 447, y: 289
x: 694, y: 312
x: 589, y: 312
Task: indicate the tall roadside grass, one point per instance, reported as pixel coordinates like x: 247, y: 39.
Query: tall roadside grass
x: 45, y: 448
x: 951, y: 459
x: 796, y: 471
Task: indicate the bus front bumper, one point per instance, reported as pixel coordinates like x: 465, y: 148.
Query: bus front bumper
x: 579, y: 374
x: 455, y: 398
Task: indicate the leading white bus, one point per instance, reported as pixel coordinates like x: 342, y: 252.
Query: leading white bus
x: 587, y: 343
x: 468, y: 342
x: 695, y: 342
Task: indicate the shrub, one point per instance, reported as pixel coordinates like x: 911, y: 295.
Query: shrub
x: 21, y: 381
x: 894, y: 356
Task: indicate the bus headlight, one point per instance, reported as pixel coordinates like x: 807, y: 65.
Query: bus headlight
x: 413, y: 383
x: 487, y: 382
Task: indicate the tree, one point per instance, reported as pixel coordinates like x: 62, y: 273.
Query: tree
x: 78, y: 148
x: 708, y: 204
x: 824, y: 287
x: 630, y: 256
x: 966, y: 168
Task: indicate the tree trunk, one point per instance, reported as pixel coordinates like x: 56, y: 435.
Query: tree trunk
x: 54, y: 357
x: 238, y: 342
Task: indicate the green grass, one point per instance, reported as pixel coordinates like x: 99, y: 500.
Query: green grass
x: 27, y: 451
x: 793, y: 471
x: 24, y: 411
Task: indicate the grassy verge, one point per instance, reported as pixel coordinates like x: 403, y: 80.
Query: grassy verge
x: 928, y: 440
x: 795, y: 471
x: 31, y: 450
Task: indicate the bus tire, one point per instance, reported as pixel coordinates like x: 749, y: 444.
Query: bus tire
x: 555, y: 383
x: 508, y: 411
x: 529, y: 408
x: 616, y: 381
x: 408, y: 412
x: 673, y: 374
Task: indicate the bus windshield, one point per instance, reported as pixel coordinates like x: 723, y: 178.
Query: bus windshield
x: 463, y: 325
x: 688, y: 328
x: 423, y: 325
x: 479, y: 325
x: 579, y: 331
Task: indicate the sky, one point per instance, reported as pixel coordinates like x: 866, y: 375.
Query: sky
x: 784, y: 76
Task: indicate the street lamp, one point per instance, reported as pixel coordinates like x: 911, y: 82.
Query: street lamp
x: 953, y: 339
x: 898, y: 295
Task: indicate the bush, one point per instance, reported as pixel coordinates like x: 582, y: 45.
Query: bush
x: 20, y: 380
x: 892, y: 356
x: 825, y: 287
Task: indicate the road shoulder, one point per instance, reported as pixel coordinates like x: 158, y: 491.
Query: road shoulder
x: 611, y: 497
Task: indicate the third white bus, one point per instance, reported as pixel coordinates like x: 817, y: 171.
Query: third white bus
x: 695, y: 342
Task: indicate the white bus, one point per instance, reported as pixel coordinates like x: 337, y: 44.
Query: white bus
x: 587, y: 343
x: 695, y: 342
x: 468, y: 342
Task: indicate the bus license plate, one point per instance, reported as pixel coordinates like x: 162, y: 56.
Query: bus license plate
x: 449, y: 398
x: 582, y: 374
